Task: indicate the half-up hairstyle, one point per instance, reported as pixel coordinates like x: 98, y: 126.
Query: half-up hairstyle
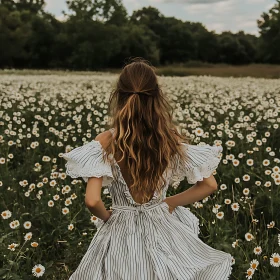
x: 145, y: 135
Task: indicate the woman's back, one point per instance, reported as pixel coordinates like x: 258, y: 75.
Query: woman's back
x: 138, y: 160
x: 145, y: 241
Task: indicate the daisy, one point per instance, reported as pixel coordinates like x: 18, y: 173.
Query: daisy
x: 276, y: 169
x: 6, y: 214
x: 235, y: 206
x: 220, y: 215
x: 267, y: 134
x: 234, y: 243
x: 28, y: 236
x: 254, y: 264
x: 14, y: 224
x: 271, y: 224
x: 275, y: 260
x: 249, y: 236
x: 52, y: 183
x: 198, y: 131
x: 266, y: 162
x: 246, y: 191
x: 93, y: 219
x: 250, y: 162
x: 258, y: 250
x: 34, y: 244
x: 27, y: 224
x: 46, y: 158
x: 70, y: 227
x: 66, y: 189
x: 235, y: 162
x: 250, y: 273
x: 237, y: 180
x: 67, y: 202
x: 50, y: 203
x: 38, y: 270
x: 13, y: 246
x: 223, y: 187
x: 267, y: 172
x: 246, y: 177
x: 227, y: 201
x: 65, y: 210
x: 267, y: 184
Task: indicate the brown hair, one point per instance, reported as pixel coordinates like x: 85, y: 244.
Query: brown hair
x: 145, y: 135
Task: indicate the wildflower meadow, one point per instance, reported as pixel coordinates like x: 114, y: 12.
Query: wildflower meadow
x: 45, y: 226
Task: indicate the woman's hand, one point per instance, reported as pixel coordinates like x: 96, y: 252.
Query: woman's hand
x: 110, y: 213
x: 171, y: 208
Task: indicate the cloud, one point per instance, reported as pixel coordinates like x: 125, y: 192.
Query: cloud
x: 247, y: 24
x: 218, y: 27
x: 256, y: 1
x: 61, y: 17
x: 55, y: 6
x: 268, y: 7
x: 219, y: 8
x: 132, y: 4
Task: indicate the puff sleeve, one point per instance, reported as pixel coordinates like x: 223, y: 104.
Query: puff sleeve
x: 201, y: 163
x: 87, y: 161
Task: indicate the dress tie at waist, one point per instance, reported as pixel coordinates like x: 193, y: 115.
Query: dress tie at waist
x: 137, y: 223
x: 138, y: 208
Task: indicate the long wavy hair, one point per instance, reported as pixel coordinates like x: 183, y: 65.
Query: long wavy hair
x: 145, y: 136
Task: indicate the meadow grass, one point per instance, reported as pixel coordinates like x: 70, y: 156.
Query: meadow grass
x: 44, y: 219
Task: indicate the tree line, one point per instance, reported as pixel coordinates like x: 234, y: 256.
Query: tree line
x: 98, y: 34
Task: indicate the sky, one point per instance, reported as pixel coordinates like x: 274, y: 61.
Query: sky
x: 217, y: 15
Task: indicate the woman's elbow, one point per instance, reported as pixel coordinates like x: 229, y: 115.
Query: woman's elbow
x: 211, y: 182
x: 91, y: 203
x: 214, y: 187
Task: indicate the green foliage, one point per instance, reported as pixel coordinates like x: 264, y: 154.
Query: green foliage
x: 269, y: 26
x: 100, y: 34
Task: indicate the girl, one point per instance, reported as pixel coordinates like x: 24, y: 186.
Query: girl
x: 146, y: 235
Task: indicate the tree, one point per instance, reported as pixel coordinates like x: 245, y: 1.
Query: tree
x: 174, y: 40
x: 33, y: 6
x: 110, y: 11
x: 14, y: 33
x: 178, y: 44
x: 136, y: 40
x: 206, y: 43
x: 269, y: 28
x: 40, y: 44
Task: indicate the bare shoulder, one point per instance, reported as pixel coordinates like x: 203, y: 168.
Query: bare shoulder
x: 104, y: 138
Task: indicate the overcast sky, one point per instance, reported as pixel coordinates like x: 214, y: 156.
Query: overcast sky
x: 218, y: 15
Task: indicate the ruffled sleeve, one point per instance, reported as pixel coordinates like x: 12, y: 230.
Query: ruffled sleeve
x: 201, y: 163
x: 86, y: 161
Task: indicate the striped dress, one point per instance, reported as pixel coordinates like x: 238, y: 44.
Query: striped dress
x: 145, y: 241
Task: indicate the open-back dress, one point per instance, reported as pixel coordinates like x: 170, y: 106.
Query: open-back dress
x: 146, y: 241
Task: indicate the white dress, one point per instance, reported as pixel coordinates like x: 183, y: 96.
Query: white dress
x: 147, y: 242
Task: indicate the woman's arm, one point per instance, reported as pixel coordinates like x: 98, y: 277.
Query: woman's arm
x: 195, y: 193
x: 93, y: 199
